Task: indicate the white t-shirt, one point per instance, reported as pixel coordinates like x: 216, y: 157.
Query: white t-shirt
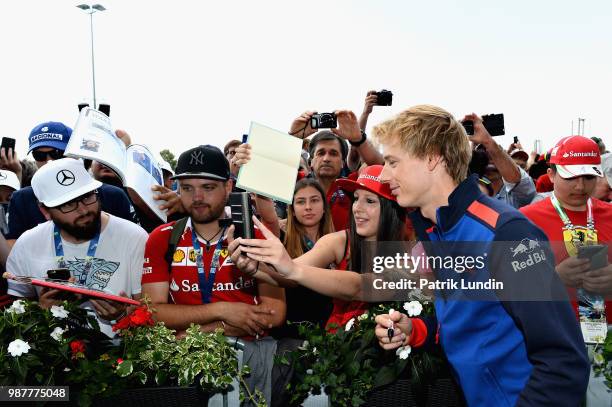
x: 116, y: 266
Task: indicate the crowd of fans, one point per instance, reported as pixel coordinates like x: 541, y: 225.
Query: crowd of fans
x: 305, y: 262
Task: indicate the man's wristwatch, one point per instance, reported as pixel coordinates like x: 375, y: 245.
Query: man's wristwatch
x: 360, y: 142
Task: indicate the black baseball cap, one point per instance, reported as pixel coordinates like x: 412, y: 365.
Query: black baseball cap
x: 203, y: 162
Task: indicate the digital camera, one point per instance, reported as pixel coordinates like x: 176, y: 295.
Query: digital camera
x: 324, y: 121
x: 494, y: 123
x: 384, y: 98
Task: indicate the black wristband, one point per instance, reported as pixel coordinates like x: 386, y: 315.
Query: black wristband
x: 360, y: 142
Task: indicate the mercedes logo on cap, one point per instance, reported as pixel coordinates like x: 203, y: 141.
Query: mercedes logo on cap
x: 65, y: 178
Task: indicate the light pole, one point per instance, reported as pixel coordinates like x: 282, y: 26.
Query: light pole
x: 91, y: 10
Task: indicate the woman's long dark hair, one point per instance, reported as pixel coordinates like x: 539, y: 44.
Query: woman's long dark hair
x: 391, y: 227
x: 295, y: 232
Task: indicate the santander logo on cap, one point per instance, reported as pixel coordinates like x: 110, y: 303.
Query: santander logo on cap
x: 575, y: 150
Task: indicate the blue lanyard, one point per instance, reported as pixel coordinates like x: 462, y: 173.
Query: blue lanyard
x: 206, y: 284
x: 59, y: 250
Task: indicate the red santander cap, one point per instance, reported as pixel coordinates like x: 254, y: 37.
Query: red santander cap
x: 369, y: 180
x: 575, y: 156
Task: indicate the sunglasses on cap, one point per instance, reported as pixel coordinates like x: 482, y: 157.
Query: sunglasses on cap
x: 54, y: 154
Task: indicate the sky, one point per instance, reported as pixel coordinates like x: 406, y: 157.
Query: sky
x: 182, y: 73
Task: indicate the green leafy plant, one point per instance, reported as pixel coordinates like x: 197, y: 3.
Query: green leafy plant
x: 348, y: 363
x: 602, y: 360
x: 64, y: 346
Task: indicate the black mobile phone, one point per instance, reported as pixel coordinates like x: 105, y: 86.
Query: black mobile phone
x: 104, y: 108
x: 8, y: 143
x: 597, y: 253
x: 494, y: 123
x: 242, y: 216
x: 59, y: 274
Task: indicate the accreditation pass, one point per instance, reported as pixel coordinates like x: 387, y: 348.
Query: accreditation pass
x: 34, y: 393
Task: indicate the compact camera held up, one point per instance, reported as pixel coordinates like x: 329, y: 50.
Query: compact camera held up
x: 384, y: 98
x: 324, y: 121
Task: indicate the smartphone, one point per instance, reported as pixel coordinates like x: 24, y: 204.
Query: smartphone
x: 8, y: 143
x: 104, y: 108
x: 59, y: 274
x: 597, y: 253
x: 242, y: 216
x: 537, y: 146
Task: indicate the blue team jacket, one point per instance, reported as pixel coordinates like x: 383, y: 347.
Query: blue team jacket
x: 504, y: 353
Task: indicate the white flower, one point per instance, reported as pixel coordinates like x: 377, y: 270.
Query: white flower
x: 57, y: 333
x: 413, y: 308
x: 309, y: 371
x: 18, y: 307
x: 18, y: 347
x: 362, y: 317
x: 314, y: 350
x: 59, y: 312
x: 403, y: 352
x: 349, y: 324
x: 391, y: 311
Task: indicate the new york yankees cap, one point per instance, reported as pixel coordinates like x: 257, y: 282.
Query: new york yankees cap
x: 60, y: 181
x: 203, y: 162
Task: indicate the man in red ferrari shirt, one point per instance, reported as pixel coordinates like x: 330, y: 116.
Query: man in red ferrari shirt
x: 206, y: 289
x: 571, y: 218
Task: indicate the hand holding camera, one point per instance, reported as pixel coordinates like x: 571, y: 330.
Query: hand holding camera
x: 348, y: 128
x: 370, y: 101
x: 476, y: 129
x: 301, y: 126
x: 324, y: 121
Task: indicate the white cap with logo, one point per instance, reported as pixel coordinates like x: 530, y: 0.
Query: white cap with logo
x: 63, y: 180
x: 9, y: 178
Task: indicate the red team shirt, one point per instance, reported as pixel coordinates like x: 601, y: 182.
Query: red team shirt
x: 544, y: 215
x: 230, y: 283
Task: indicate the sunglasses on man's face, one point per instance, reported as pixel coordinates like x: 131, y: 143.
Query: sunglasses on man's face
x: 54, y: 154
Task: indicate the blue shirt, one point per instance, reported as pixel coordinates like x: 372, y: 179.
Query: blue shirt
x: 517, y: 194
x: 503, y: 351
x: 24, y: 213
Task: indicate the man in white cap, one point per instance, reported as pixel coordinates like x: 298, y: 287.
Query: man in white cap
x: 101, y: 251
x: 9, y: 183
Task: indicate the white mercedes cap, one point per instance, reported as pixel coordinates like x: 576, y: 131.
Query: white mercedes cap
x: 9, y: 179
x: 60, y: 181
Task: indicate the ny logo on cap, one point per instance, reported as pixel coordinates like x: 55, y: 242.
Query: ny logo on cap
x: 197, y: 158
x: 65, y: 178
x: 44, y: 129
